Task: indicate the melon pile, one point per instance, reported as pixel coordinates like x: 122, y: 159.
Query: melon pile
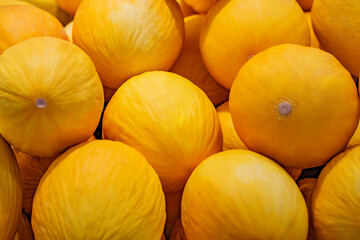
x: 179, y: 119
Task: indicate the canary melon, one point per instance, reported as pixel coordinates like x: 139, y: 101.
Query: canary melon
x: 51, y: 96
x: 169, y: 120
x: 236, y: 30
x: 99, y: 190
x: 288, y: 100
x: 127, y: 38
x: 10, y: 194
x: 239, y: 194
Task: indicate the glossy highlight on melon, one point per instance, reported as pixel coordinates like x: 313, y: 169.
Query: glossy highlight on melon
x: 104, y: 190
x: 169, y: 120
x: 51, y: 96
x: 126, y: 38
x: 254, y: 196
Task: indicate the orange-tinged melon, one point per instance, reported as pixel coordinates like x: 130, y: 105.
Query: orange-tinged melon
x: 307, y: 186
x: 314, y: 40
x: 126, y: 38
x: 68, y: 29
x: 335, y: 200
x: 300, y: 109
x: 51, y: 97
x: 231, y: 139
x: 239, y: 194
x: 13, y: 2
x: 69, y: 6
x: 34, y: 22
x: 173, y: 209
x: 191, y: 66
x: 336, y: 24
x: 169, y: 120
x: 201, y: 6
x: 52, y: 7
x: 185, y: 9
x: 31, y: 171
x: 10, y: 194
x: 104, y: 190
x: 236, y: 30
x: 178, y: 231
x: 305, y: 4
x: 24, y: 231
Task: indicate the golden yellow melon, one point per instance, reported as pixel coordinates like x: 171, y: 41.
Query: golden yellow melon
x: 126, y: 38
x: 307, y: 186
x: 185, y: 9
x: 314, y: 40
x: 336, y: 24
x: 231, y: 139
x: 239, y: 194
x: 289, y: 109
x: 178, y: 231
x: 201, y: 6
x: 31, y: 171
x: 173, y: 209
x: 50, y: 96
x: 24, y: 231
x: 34, y: 22
x: 52, y: 7
x: 169, y: 120
x: 305, y: 4
x: 68, y: 29
x: 69, y: 6
x: 355, y: 139
x: 99, y: 190
x: 108, y: 93
x: 335, y: 200
x: 10, y: 194
x: 191, y: 66
x: 236, y: 30
x: 13, y: 2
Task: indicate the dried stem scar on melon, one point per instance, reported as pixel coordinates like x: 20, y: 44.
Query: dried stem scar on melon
x: 297, y: 105
x: 51, y: 96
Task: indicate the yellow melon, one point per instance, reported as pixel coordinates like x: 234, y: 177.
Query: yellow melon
x: 10, y: 194
x: 50, y: 96
x: 126, y: 38
x: 239, y: 194
x: 191, y: 66
x: 185, y: 9
x: 335, y: 200
x: 178, y: 231
x: 314, y: 40
x: 69, y: 6
x: 173, y: 209
x: 336, y: 24
x: 24, y: 231
x: 236, y: 30
x: 34, y: 22
x: 201, y: 6
x: 104, y: 190
x: 307, y: 186
x: 68, y: 29
x: 31, y: 171
x: 169, y: 120
x: 289, y: 108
